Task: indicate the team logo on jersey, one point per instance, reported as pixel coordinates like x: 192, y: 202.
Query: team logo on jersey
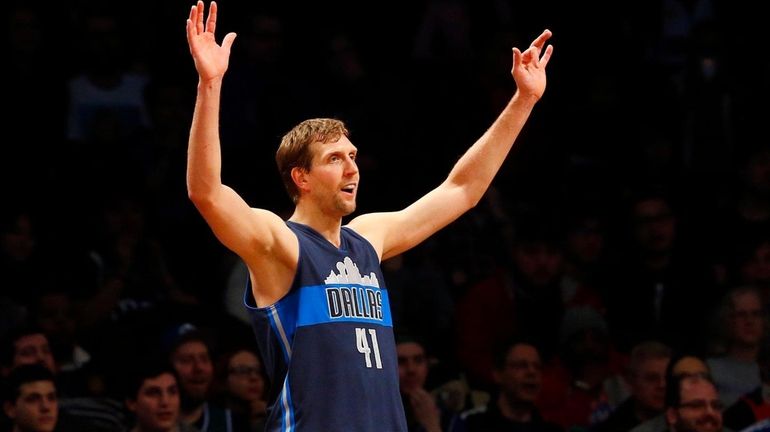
x: 358, y: 297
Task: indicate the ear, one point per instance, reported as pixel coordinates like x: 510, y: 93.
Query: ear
x: 130, y: 404
x: 9, y: 409
x: 299, y: 176
x: 671, y: 416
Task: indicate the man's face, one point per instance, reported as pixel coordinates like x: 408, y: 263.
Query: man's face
x: 244, y: 378
x: 747, y: 319
x: 157, y: 403
x: 655, y: 225
x: 700, y: 409
x: 539, y: 262
x: 36, y: 409
x: 32, y: 349
x: 648, y: 384
x: 521, y: 375
x: 193, y: 365
x: 332, y: 181
x: 412, y: 366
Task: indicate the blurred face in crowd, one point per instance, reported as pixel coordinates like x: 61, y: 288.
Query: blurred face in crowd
x: 654, y: 225
x: 521, y: 375
x: 746, y: 319
x: 34, y: 348
x: 192, y: 363
x: 539, y: 262
x: 244, y: 376
x: 756, y: 270
x: 648, y: 383
x: 586, y: 241
x: 18, y: 242
x: 35, y: 409
x: 699, y: 410
x: 412, y: 366
x: 157, y: 404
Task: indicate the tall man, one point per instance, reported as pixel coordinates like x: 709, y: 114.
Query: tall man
x: 317, y: 298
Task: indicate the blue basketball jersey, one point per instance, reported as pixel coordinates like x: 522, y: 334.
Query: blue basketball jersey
x: 328, y: 345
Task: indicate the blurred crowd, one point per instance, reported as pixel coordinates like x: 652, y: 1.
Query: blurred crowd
x: 629, y: 227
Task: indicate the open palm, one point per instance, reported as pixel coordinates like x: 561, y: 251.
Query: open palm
x: 211, y: 59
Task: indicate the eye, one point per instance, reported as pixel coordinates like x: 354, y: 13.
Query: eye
x: 353, y: 156
x: 334, y: 158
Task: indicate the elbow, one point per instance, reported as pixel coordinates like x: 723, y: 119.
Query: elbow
x: 200, y: 197
x: 473, y: 197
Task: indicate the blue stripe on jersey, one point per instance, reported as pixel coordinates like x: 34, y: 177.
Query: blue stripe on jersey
x: 344, y: 303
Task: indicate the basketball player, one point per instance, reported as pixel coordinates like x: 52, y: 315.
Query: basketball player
x: 317, y: 298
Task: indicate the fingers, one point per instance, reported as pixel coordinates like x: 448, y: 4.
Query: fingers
x: 532, y: 54
x: 227, y: 42
x: 516, y: 58
x: 546, y: 56
x: 199, y: 17
x: 540, y: 41
x: 211, y: 21
x: 190, y: 30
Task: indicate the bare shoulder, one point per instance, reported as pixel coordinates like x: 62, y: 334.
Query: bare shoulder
x: 273, y: 263
x: 375, y: 227
x: 277, y: 239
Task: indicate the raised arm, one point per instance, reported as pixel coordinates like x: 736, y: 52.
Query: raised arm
x: 396, y: 232
x: 251, y: 233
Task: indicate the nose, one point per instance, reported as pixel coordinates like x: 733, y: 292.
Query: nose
x: 351, y: 167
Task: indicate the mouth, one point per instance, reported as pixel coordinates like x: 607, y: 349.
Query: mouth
x: 349, y: 189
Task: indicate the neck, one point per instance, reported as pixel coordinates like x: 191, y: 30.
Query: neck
x: 747, y: 353
x: 517, y: 411
x: 327, y: 225
x: 190, y: 415
x: 644, y: 413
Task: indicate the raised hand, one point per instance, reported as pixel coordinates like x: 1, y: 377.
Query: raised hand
x: 529, y: 66
x: 211, y: 60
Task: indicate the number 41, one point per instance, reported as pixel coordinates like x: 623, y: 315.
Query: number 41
x: 363, y: 347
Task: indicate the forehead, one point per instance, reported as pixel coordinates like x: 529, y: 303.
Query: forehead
x: 165, y: 379
x: 698, y: 389
x: 37, y: 339
x: 244, y: 357
x: 40, y: 387
x: 409, y: 349
x: 192, y: 347
x: 343, y: 144
x: 522, y: 352
x: 747, y: 300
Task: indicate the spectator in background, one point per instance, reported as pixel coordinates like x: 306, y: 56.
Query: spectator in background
x: 754, y: 406
x: 693, y: 405
x: 660, y: 279
x: 424, y: 413
x: 152, y: 396
x: 680, y: 365
x: 646, y: 378
x: 240, y: 385
x: 522, y: 299
x: 742, y: 324
x: 518, y: 374
x: 26, y: 345
x: 30, y: 400
x: 190, y: 355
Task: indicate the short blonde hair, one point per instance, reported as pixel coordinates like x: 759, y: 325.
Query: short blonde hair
x: 294, y: 151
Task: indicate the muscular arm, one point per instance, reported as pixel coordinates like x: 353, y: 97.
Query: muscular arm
x: 258, y: 236
x: 396, y: 232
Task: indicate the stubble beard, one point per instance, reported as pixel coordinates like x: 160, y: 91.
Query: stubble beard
x: 344, y: 207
